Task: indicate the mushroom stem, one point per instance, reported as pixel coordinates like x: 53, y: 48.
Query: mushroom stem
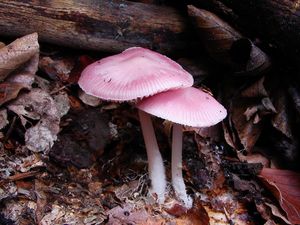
x: 155, y: 162
x: 177, y: 178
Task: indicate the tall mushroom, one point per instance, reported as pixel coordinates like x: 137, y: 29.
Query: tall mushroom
x: 187, y: 106
x: 134, y: 74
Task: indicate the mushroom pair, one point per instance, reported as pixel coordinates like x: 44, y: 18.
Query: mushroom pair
x: 138, y: 73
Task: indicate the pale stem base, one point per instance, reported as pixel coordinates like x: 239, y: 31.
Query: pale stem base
x: 177, y: 178
x: 155, y: 162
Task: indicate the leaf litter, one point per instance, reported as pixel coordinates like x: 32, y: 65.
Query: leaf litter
x: 68, y: 158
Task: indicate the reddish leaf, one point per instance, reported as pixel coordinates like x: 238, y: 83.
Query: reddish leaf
x: 285, y: 185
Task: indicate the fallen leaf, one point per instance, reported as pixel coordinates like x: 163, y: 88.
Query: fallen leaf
x: 226, y: 45
x: 3, y: 118
x: 195, y: 216
x: 41, y: 137
x: 8, y: 190
x: 25, y: 74
x: 35, y: 105
x: 2, y: 44
x: 56, y: 214
x: 62, y: 103
x: 270, y: 222
x: 276, y: 212
x: 9, y: 91
x: 254, y: 158
x: 24, y: 79
x: 248, y: 131
x: 17, y: 53
x: 285, y: 186
x: 281, y: 120
x: 57, y: 69
x: 39, y: 189
x: 127, y: 214
x: 89, y: 99
x: 38, y: 105
x: 257, y: 89
x: 230, y: 134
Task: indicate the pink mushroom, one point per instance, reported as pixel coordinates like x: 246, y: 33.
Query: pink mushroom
x: 134, y: 74
x: 187, y: 106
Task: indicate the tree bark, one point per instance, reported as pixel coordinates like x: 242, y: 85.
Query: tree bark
x: 275, y: 21
x: 106, y: 25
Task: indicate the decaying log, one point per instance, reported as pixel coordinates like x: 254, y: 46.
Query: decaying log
x: 276, y: 21
x: 106, y: 25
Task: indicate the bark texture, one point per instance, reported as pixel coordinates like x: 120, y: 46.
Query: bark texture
x: 98, y: 25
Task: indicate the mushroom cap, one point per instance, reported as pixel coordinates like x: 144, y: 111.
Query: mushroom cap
x: 187, y: 106
x: 135, y: 73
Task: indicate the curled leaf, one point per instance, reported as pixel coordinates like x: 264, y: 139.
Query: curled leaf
x: 285, y: 186
x: 39, y: 105
x: 17, y: 53
x: 226, y: 45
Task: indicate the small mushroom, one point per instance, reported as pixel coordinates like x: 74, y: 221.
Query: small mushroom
x: 187, y: 106
x: 134, y: 74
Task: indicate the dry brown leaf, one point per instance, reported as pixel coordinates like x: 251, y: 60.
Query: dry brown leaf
x: 127, y: 214
x: 226, y: 45
x: 89, y: 99
x: 277, y: 212
x: 256, y: 90
x: 38, y: 105
x: 285, y: 185
x: 281, y: 120
x: 195, y: 216
x: 56, y: 215
x: 62, y: 103
x: 42, y: 136
x: 254, y: 158
x: 3, y: 118
x: 35, y: 105
x: 2, y: 44
x: 247, y: 113
x: 9, y: 91
x: 17, y: 53
x: 57, y: 69
x: 41, y: 201
x: 269, y: 213
x: 247, y: 130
